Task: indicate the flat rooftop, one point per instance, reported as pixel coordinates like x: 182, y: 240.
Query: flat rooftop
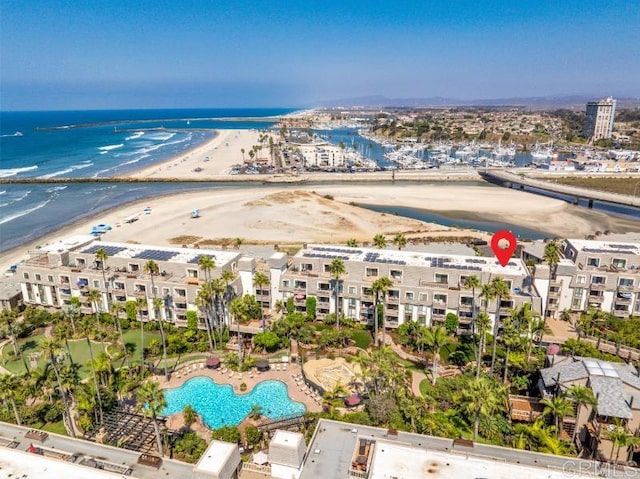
x: 596, y: 246
x: 14, y: 445
x: 463, y: 263
x: 407, y: 456
x: 158, y: 253
x: 216, y: 457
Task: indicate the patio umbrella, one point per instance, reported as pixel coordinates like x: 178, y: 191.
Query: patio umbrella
x: 352, y: 400
x: 213, y: 362
x: 262, y: 364
x: 260, y: 458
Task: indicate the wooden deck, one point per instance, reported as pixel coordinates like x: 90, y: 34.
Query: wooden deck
x: 524, y: 408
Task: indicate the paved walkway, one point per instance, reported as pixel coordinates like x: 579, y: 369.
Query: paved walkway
x: 416, y: 378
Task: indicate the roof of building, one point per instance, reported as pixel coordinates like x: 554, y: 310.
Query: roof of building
x: 598, y: 246
x: 287, y: 439
x: 466, y: 263
x: 606, y: 379
x: 408, y: 456
x: 215, y: 457
x: 9, y: 288
x: 159, y: 253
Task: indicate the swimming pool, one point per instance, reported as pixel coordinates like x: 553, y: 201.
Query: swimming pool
x: 220, y: 406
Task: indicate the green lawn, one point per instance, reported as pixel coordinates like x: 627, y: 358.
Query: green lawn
x: 55, y: 427
x: 133, y: 336
x: 78, y: 347
x: 424, y: 386
x: 361, y: 337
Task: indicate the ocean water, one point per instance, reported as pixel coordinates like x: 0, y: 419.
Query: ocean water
x: 95, y: 144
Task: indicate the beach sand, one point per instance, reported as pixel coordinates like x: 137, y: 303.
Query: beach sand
x: 319, y: 213
x: 215, y: 157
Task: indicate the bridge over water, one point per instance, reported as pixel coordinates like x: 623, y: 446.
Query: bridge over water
x: 512, y: 180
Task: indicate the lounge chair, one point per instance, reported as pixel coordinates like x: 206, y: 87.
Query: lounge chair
x: 201, y: 365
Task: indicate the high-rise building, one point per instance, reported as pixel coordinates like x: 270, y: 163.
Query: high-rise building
x: 599, y: 124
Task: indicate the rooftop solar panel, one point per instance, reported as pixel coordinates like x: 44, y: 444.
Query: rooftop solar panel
x: 110, y: 250
x: 156, y: 255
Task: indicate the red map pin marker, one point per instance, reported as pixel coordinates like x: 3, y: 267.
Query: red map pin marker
x: 503, y: 244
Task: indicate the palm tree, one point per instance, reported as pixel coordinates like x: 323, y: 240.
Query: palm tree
x: 619, y: 437
x: 204, y: 302
x: 352, y: 243
x: 141, y: 304
x: 242, y: 151
x: 551, y: 257
x: 483, y: 323
x: 510, y: 338
x: 102, y: 257
x: 472, y: 282
x: 94, y: 296
x: 558, y: 407
x: 207, y: 264
x: 379, y: 288
x: 51, y: 348
x: 152, y: 402
x: 379, y: 241
x: 260, y: 280
x: 9, y: 318
x: 227, y: 277
x: 435, y: 338
x: 501, y: 291
x: 481, y: 398
x: 115, y: 309
x: 400, y: 240
x: 9, y: 387
x: 237, y: 310
x: 581, y: 396
x: 157, y: 305
x: 337, y: 269
x: 60, y: 332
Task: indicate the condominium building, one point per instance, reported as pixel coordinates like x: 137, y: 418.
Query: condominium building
x: 593, y: 274
x: 599, y: 121
x: 425, y: 286
x: 342, y: 450
x: 58, y: 272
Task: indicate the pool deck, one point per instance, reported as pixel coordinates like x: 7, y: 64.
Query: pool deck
x: 295, y: 392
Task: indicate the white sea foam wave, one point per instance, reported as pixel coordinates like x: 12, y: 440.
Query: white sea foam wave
x: 3, y: 192
x: 67, y: 170
x: 137, y: 134
x: 160, y: 136
x: 14, y: 171
x: 56, y: 188
x: 18, y: 214
x: 105, y: 149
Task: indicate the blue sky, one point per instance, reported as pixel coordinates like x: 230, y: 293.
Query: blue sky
x: 218, y: 53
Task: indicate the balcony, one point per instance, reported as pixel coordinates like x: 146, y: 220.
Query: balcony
x: 393, y: 299
x: 465, y: 307
x: 621, y: 313
x: 598, y: 286
x: 623, y: 300
x: 625, y: 288
x: 554, y: 293
x: 593, y: 298
x: 139, y: 292
x: 433, y: 284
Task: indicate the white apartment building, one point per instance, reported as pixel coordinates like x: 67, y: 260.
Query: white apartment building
x: 599, y: 121
x: 425, y: 286
x: 596, y: 274
x: 57, y: 272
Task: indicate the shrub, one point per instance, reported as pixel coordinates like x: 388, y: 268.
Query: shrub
x: 243, y: 387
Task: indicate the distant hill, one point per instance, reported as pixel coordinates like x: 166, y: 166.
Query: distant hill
x: 547, y: 102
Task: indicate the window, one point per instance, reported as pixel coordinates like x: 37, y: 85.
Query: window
x: 440, y: 298
x: 442, y: 278
x: 352, y: 290
x: 326, y: 268
x: 299, y: 284
x: 581, y: 279
x: 306, y: 267
x: 166, y: 292
x: 96, y: 283
x: 181, y: 292
x: 50, y: 278
x: 192, y: 273
x: 285, y: 283
x: 409, y: 295
x: 367, y: 291
x: 38, y: 277
x: 625, y: 282
x: 466, y: 301
x: 595, y: 262
x: 371, y: 272
x: 508, y: 283
x: 134, y: 267
x: 598, y: 280
x: 64, y: 279
x: 619, y: 263
x: 81, y: 261
x: 118, y: 286
x: 424, y: 297
x: 25, y: 275
x: 396, y: 274
x: 393, y: 294
x: 140, y: 288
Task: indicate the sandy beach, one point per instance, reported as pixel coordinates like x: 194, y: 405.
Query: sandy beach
x: 326, y: 213
x: 214, y: 157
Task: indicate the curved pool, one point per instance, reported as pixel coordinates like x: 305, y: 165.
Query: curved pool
x: 220, y: 406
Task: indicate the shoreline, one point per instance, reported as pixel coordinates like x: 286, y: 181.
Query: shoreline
x: 326, y: 213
